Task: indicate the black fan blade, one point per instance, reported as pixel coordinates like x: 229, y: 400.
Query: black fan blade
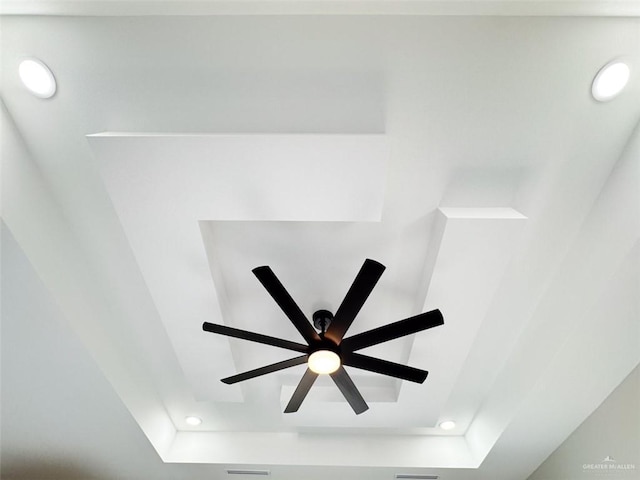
x: 302, y: 389
x: 271, y: 283
x: 274, y: 367
x: 393, y: 330
x: 358, y: 293
x: 384, y: 367
x: 349, y: 390
x: 254, y: 337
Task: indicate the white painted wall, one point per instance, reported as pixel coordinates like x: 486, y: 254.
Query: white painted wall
x: 31, y: 214
x: 612, y: 431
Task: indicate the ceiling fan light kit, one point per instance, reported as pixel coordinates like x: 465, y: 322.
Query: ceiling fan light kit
x: 327, y: 351
x: 324, y: 362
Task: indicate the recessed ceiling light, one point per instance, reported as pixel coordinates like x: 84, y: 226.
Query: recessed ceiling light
x: 323, y: 362
x: 37, y: 77
x: 610, y: 80
x: 447, y: 425
x: 193, y: 420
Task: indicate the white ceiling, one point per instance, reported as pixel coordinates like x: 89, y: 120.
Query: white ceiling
x: 464, y: 152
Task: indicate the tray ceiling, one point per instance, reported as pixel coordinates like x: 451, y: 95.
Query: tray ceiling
x: 464, y: 153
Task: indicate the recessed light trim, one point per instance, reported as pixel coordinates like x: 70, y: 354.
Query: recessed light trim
x: 610, y: 80
x: 323, y: 362
x: 37, y: 78
x: 447, y: 425
x: 193, y: 421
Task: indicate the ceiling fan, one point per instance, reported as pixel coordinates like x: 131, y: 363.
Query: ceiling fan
x: 326, y: 350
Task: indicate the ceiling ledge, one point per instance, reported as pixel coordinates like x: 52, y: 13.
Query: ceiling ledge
x: 252, y: 448
x: 316, y: 7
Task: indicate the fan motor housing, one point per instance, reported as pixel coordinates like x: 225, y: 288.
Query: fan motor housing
x: 322, y: 319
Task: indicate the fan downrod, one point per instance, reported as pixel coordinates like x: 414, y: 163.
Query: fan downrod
x: 321, y: 320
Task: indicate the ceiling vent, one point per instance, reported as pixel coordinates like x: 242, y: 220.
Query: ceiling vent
x: 248, y: 472
x: 416, y: 476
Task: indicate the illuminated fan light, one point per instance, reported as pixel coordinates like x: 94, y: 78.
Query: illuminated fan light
x: 324, y: 362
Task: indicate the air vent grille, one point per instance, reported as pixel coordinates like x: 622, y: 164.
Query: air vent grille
x: 416, y: 476
x: 248, y: 472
